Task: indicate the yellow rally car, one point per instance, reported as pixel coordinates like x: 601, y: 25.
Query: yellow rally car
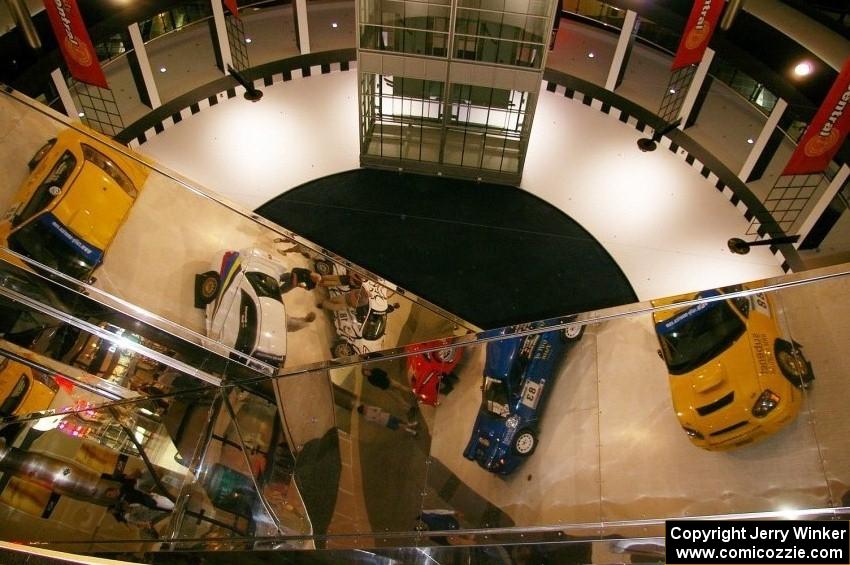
x: 23, y: 390
x: 733, y: 377
x: 72, y: 203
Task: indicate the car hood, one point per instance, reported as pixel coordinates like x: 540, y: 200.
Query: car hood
x: 271, y: 335
x: 492, y: 430
x: 733, y: 372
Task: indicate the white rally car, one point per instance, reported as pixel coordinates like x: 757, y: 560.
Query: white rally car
x: 361, y: 329
x: 242, y: 300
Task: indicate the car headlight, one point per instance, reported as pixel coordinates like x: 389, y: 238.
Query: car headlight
x: 512, y: 422
x: 765, y: 404
x: 693, y: 433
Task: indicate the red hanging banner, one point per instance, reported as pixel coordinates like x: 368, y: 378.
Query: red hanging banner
x: 703, y: 19
x: 74, y: 41
x: 231, y: 5
x: 826, y: 131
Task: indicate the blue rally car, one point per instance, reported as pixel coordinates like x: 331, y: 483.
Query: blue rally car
x: 517, y: 376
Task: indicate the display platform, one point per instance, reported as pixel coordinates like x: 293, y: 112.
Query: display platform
x: 454, y: 242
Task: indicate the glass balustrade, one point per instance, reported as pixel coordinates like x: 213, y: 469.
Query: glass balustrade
x: 598, y: 426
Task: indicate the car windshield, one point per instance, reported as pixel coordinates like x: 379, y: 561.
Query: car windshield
x: 264, y: 285
x: 106, y: 164
x: 50, y: 243
x: 49, y: 189
x: 496, y: 397
x: 375, y: 325
x: 247, y: 336
x: 692, y: 337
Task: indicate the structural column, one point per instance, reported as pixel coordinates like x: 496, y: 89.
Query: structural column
x: 65, y: 94
x: 622, y: 52
x: 824, y: 200
x: 761, y: 143
x: 302, y: 28
x: 222, y: 42
x: 144, y: 66
x: 689, y: 105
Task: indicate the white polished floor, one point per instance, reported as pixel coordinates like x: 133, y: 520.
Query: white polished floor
x: 664, y: 224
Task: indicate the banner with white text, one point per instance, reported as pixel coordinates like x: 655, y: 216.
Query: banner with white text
x: 701, y: 24
x: 74, y: 41
x: 826, y: 132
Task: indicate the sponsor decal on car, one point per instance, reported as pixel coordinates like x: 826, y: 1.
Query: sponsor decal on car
x: 531, y: 394
x: 764, y: 357
x: 92, y: 254
x: 677, y: 321
x: 760, y: 305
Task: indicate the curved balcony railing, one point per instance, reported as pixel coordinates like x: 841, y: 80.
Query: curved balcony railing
x: 137, y: 419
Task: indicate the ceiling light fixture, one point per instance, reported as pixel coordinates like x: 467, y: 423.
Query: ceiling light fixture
x: 803, y: 69
x: 248, y: 40
x: 334, y: 25
x: 750, y: 140
x: 81, y: 114
x: 672, y: 91
x: 162, y: 69
x: 591, y: 55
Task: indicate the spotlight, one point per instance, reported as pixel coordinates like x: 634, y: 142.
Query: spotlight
x: 647, y: 144
x: 750, y: 140
x: 741, y: 247
x: 248, y: 40
x: 81, y: 114
x: 162, y: 69
x: 672, y: 91
x: 334, y: 25
x: 803, y: 69
x: 591, y: 55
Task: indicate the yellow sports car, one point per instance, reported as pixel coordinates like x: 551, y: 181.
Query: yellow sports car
x: 72, y: 203
x: 733, y: 376
x: 23, y: 390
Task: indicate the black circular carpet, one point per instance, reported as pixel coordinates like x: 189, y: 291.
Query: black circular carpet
x: 493, y: 255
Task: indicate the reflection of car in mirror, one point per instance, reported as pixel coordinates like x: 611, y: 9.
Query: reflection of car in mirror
x: 432, y: 372
x: 733, y: 377
x: 242, y: 300
x: 72, y: 204
x: 518, y: 374
x: 360, y: 320
x: 23, y: 390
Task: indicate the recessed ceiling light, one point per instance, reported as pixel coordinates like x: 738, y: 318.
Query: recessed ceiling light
x: 334, y: 25
x: 802, y: 69
x: 750, y: 140
x: 81, y: 114
x: 591, y: 55
x: 672, y: 91
x: 248, y: 40
x: 162, y: 69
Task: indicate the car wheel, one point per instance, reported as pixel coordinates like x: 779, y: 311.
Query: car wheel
x: 342, y: 349
x: 572, y: 333
x: 793, y: 365
x: 39, y: 155
x: 444, y: 355
x: 525, y: 443
x: 206, y: 288
x: 323, y: 267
